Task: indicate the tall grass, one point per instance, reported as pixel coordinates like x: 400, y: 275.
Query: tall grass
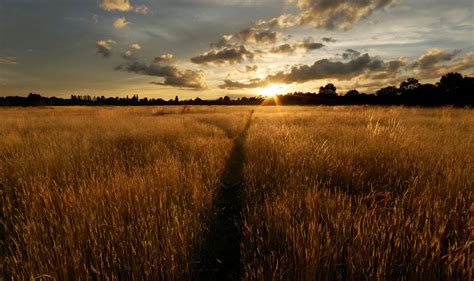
x: 341, y: 193
x: 331, y: 193
x: 108, y: 193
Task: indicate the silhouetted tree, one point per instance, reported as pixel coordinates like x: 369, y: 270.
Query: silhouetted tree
x: 450, y: 83
x: 387, y: 92
x: 352, y: 93
x: 34, y: 99
x: 409, y: 85
x: 452, y: 89
x: 328, y: 91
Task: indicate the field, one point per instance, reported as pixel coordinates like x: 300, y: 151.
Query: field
x: 230, y: 193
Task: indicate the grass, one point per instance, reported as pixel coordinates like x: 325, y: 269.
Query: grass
x: 329, y: 193
x: 108, y: 193
x: 341, y: 193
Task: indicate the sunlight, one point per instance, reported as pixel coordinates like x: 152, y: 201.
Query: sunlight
x: 273, y: 89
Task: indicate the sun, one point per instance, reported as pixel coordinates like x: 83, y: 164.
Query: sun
x: 273, y: 89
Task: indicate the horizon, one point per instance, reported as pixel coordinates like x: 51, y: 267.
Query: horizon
x: 211, y: 49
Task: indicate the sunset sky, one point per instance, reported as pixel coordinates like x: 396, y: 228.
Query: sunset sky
x: 212, y: 48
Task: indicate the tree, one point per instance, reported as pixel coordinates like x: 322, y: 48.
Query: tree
x: 34, y: 99
x: 387, y: 92
x: 409, y: 85
x: 352, y: 93
x: 328, y: 91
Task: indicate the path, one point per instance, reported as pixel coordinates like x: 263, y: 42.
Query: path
x: 220, y: 258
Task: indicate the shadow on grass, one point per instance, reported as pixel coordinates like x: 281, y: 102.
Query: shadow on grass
x: 220, y: 255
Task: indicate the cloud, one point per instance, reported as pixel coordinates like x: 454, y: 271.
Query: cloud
x: 258, y: 36
x: 433, y: 57
x: 120, y: 23
x: 135, y: 46
x: 282, y: 21
x: 389, y: 72
x: 327, y: 14
x: 118, y: 5
x: 142, y: 9
x: 437, y: 62
x: 104, y: 47
x: 251, y: 84
x: 8, y: 60
x: 223, y: 42
x: 228, y: 55
x: 172, y: 76
x: 306, y: 45
x: 123, y: 6
x: 253, y: 35
x: 164, y: 58
x: 329, y: 40
x: 251, y: 68
x: 368, y: 70
x: 233, y: 54
x: 130, y: 53
x: 321, y: 69
x: 350, y: 54
x: 337, y: 14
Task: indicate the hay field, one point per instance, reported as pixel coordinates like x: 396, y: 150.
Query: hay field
x: 341, y: 193
x: 328, y: 193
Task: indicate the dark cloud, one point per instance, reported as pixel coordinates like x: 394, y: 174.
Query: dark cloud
x: 350, y: 54
x: 328, y: 14
x: 104, y: 47
x: 239, y: 53
x: 337, y: 14
x: 321, y: 69
x: 251, y: 84
x: 390, y: 71
x: 309, y: 45
x: 306, y: 45
x: 228, y: 55
x: 171, y: 74
x: 433, y: 57
x: 366, y: 69
x: 329, y: 40
x: 283, y: 49
x: 259, y: 36
x: 436, y: 62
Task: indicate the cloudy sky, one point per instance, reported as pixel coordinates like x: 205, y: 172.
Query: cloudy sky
x: 212, y: 48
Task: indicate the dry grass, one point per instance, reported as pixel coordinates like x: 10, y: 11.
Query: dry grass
x: 340, y: 193
x: 331, y: 193
x: 108, y: 193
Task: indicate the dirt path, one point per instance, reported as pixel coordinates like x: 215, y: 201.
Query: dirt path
x: 220, y: 258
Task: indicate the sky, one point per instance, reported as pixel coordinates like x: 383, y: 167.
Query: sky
x: 212, y: 48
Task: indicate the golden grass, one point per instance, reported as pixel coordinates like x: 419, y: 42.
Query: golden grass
x: 355, y: 193
x: 108, y: 193
x: 331, y: 193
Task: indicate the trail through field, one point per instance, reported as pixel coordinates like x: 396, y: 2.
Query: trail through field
x: 220, y: 257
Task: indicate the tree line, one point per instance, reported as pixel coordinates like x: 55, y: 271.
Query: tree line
x: 452, y: 89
